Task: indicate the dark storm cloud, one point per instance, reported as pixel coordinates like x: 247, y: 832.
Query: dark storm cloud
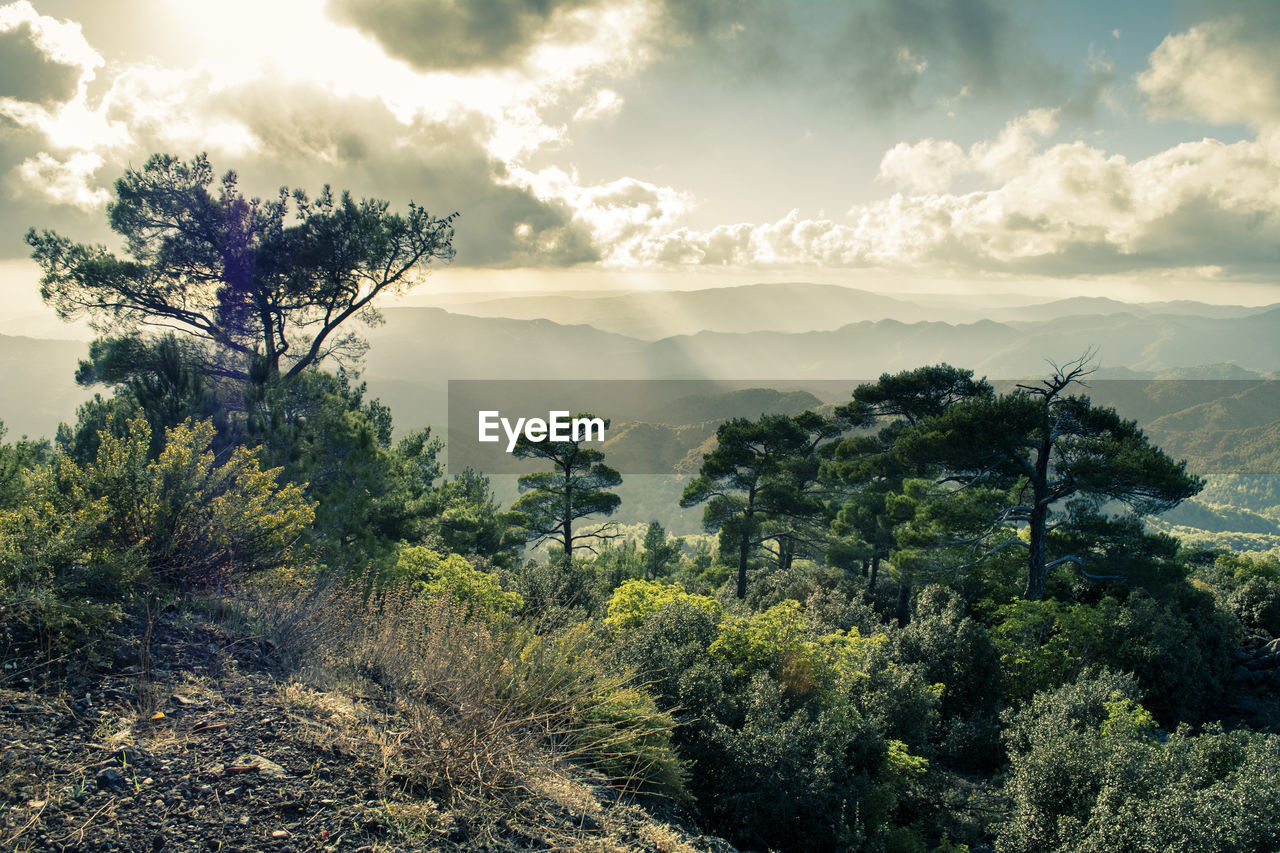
x: 29, y: 74
x: 903, y: 53
x: 445, y: 34
x: 881, y: 55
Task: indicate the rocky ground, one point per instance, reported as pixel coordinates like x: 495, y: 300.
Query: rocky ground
x: 208, y: 745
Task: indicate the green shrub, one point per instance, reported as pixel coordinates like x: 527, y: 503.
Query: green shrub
x: 435, y: 574
x: 89, y: 535
x: 1177, y: 647
x: 604, y: 718
x: 957, y: 652
x: 1088, y: 773
x: 557, y: 592
x: 635, y: 600
x: 799, y: 737
x: 799, y: 778
x: 1257, y: 605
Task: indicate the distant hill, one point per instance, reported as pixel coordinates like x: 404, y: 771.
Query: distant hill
x: 749, y: 308
x: 791, y: 307
x: 418, y: 350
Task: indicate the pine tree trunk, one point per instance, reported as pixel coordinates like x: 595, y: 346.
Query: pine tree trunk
x: 1036, y: 559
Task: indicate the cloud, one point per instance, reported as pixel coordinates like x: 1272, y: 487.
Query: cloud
x: 892, y: 43
x: 1221, y: 71
x: 44, y: 59
x: 444, y: 34
x: 927, y: 166
x: 276, y: 132
x: 65, y: 182
x: 932, y: 165
x: 621, y: 217
x: 604, y: 102
x: 1067, y: 209
x: 30, y: 75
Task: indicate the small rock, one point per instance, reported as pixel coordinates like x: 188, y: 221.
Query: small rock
x: 110, y: 778
x: 266, y: 768
x: 279, y: 833
x: 131, y: 755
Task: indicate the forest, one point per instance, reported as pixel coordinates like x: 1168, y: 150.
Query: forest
x: 935, y: 617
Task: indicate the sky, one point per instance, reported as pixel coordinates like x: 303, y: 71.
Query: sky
x: 1048, y: 149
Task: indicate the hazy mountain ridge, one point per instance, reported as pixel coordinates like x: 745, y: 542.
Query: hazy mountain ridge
x: 414, y: 354
x: 795, y: 307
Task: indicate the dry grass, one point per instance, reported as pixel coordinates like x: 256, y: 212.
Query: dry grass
x: 469, y: 710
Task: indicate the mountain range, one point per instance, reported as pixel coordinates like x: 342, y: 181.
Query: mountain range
x: 792, y: 307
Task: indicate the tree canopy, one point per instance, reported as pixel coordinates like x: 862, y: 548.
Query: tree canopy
x: 1047, y: 451
x: 759, y: 471
x: 265, y: 286
x: 577, y: 487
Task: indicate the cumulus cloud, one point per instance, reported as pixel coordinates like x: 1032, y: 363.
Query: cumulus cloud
x: 932, y: 165
x: 603, y: 102
x: 67, y: 182
x: 1070, y: 208
x: 301, y: 129
x: 30, y: 75
x: 1222, y: 71
x: 622, y: 217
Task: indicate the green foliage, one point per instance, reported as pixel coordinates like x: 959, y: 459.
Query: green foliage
x: 263, y: 295
x: 577, y: 487
x: 466, y: 518
x: 17, y: 463
x: 1088, y: 774
x: 434, y: 574
x: 1257, y: 605
x: 756, y: 478
x: 159, y: 377
x: 789, y: 725
x: 369, y: 493
x: 1045, y: 643
x: 611, y: 724
x: 1047, y: 450
x: 636, y: 600
x: 779, y: 642
x: 957, y: 652
x: 881, y: 512
x: 557, y: 591
x: 797, y: 779
x: 88, y: 535
x: 1176, y: 648
x: 625, y: 736
x: 1248, y: 587
x: 660, y: 553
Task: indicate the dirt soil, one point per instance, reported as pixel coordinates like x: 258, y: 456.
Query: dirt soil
x: 208, y: 746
